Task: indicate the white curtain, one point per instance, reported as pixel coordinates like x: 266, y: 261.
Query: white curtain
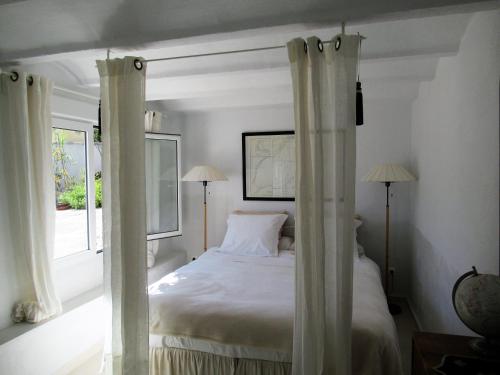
x: 26, y: 134
x: 124, y: 216
x: 153, y: 124
x: 324, y: 84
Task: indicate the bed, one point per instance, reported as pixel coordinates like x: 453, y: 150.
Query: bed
x: 231, y: 314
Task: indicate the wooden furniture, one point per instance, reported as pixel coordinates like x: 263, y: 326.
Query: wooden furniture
x: 429, y: 348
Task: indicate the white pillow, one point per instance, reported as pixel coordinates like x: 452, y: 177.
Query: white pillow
x: 285, y: 243
x: 254, y: 235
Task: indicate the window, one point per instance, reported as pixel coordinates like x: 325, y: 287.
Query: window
x: 76, y: 158
x: 76, y: 155
x: 163, y: 194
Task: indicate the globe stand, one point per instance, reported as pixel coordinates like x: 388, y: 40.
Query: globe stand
x: 486, y: 347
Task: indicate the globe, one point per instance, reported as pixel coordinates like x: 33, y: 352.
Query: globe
x: 476, y: 298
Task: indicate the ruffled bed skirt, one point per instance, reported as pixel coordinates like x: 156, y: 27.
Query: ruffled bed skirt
x: 172, y: 361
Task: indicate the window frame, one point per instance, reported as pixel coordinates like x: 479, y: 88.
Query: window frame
x: 177, y: 139
x: 75, y: 123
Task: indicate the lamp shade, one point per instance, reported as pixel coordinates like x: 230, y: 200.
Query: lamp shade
x: 204, y: 173
x: 388, y: 173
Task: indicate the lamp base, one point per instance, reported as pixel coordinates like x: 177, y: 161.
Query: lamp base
x: 394, y: 308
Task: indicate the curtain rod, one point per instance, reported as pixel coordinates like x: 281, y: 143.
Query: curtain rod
x: 236, y: 51
x: 214, y: 53
x: 226, y: 52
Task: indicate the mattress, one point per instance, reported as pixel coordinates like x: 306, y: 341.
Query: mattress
x: 242, y: 307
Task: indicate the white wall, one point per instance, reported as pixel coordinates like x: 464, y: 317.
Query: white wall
x: 455, y: 153
x: 215, y: 138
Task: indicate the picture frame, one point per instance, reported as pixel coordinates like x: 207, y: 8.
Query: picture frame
x: 268, y: 160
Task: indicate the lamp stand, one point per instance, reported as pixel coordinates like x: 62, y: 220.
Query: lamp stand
x: 394, y: 309
x: 205, y: 183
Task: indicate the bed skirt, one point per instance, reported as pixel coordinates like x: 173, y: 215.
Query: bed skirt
x: 173, y: 361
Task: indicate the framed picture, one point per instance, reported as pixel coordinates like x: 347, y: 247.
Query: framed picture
x: 269, y: 166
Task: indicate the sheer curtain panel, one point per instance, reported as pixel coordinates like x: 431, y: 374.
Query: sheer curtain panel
x: 124, y: 215
x: 26, y: 141
x: 324, y: 86
x: 153, y: 124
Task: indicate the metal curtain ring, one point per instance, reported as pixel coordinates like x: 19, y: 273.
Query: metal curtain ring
x: 14, y: 76
x: 138, y: 64
x: 30, y: 80
x: 305, y: 46
x: 338, y: 42
x: 320, y: 45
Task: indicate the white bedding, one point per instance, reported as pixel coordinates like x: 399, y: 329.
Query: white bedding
x: 242, y: 307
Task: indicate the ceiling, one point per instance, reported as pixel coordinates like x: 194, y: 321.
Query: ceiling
x: 66, y: 37
x: 41, y: 27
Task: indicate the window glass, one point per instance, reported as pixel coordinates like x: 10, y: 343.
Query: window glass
x: 69, y: 156
x: 162, y: 186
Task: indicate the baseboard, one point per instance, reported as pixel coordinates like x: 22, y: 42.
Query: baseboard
x: 412, y: 311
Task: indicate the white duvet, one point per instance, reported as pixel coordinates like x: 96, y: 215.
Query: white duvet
x: 241, y: 306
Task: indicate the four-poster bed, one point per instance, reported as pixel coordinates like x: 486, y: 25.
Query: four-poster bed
x: 288, y: 314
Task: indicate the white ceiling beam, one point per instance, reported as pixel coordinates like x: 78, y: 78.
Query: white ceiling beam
x: 202, y: 85
x: 220, y: 84
x: 235, y: 99
x: 394, y: 90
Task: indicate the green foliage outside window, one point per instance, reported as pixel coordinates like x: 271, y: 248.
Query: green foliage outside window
x: 76, y: 197
x: 62, y: 161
